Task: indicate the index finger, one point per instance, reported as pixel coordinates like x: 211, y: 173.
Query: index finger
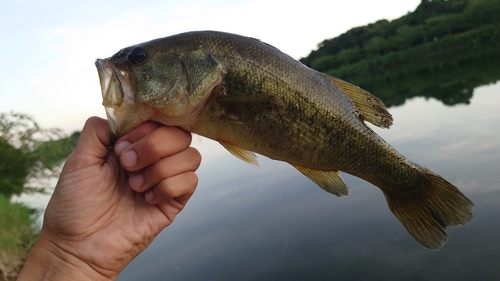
x: 159, y: 143
x: 139, y: 132
x: 94, y: 139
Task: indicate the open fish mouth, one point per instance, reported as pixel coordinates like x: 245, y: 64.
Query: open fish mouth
x: 116, y: 90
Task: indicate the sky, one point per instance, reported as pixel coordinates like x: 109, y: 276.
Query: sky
x: 49, y: 47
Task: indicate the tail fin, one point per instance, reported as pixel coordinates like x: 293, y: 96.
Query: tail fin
x: 440, y: 205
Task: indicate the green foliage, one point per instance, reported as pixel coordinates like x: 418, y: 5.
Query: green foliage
x: 355, y: 38
x: 481, y: 12
x: 449, y: 71
x: 446, y: 25
x: 29, y: 152
x: 376, y: 46
x: 16, y: 237
x: 439, y: 34
x: 14, y: 167
x: 15, y: 223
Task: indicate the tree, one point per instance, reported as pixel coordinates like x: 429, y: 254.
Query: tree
x: 29, y: 152
x: 376, y: 46
x: 482, y: 12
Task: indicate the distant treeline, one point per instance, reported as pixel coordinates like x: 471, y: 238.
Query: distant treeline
x: 438, y: 34
x: 29, y: 152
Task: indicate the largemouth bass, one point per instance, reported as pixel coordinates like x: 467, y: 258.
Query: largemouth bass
x: 252, y: 98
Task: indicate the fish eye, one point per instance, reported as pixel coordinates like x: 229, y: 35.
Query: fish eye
x: 136, y: 56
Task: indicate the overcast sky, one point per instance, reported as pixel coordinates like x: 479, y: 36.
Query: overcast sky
x: 49, y: 47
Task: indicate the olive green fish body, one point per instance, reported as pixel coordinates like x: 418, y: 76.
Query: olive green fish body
x: 275, y: 106
x: 251, y: 97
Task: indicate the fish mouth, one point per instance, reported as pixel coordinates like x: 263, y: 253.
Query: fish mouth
x: 116, y: 90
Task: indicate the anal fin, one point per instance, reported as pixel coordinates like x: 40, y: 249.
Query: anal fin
x: 243, y: 154
x: 373, y: 109
x: 330, y: 181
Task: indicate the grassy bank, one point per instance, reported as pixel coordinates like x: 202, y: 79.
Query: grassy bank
x: 16, y: 237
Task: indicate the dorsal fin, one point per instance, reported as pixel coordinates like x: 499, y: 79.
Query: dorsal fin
x: 373, y: 109
x: 245, y: 155
x: 329, y: 181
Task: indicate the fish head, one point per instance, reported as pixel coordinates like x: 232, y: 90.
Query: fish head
x: 154, y: 81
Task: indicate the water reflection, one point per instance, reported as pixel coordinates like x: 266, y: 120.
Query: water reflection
x: 272, y: 223
x: 449, y: 76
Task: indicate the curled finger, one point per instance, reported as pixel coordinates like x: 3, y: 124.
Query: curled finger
x: 184, y: 161
x: 174, y: 191
x: 162, y: 142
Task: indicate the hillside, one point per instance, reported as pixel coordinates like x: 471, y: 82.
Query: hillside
x: 438, y: 34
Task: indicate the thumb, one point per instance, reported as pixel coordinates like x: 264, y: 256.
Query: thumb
x: 94, y: 142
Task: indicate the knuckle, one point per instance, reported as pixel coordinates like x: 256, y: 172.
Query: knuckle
x: 187, y: 137
x: 182, y: 137
x: 191, y: 181
x: 195, y: 157
x: 164, y: 189
x: 155, y: 145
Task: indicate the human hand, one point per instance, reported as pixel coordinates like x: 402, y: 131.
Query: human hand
x: 102, y: 216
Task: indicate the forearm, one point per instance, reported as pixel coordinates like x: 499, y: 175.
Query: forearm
x: 47, y: 261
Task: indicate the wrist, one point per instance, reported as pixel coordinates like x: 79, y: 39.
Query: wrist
x: 49, y: 261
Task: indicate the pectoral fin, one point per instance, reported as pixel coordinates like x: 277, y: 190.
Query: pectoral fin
x: 329, y: 181
x: 374, y: 110
x: 245, y: 155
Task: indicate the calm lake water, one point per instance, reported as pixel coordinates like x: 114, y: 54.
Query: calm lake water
x: 272, y: 223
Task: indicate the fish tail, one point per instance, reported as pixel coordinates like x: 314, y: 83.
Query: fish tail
x: 431, y: 208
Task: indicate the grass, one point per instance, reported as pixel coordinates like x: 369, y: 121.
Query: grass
x: 17, y: 235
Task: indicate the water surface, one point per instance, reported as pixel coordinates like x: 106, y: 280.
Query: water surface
x: 272, y: 223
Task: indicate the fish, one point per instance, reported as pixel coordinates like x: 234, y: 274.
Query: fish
x: 252, y: 98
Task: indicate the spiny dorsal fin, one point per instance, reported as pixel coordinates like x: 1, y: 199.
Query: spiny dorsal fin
x: 374, y: 110
x: 245, y: 155
x: 329, y: 181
